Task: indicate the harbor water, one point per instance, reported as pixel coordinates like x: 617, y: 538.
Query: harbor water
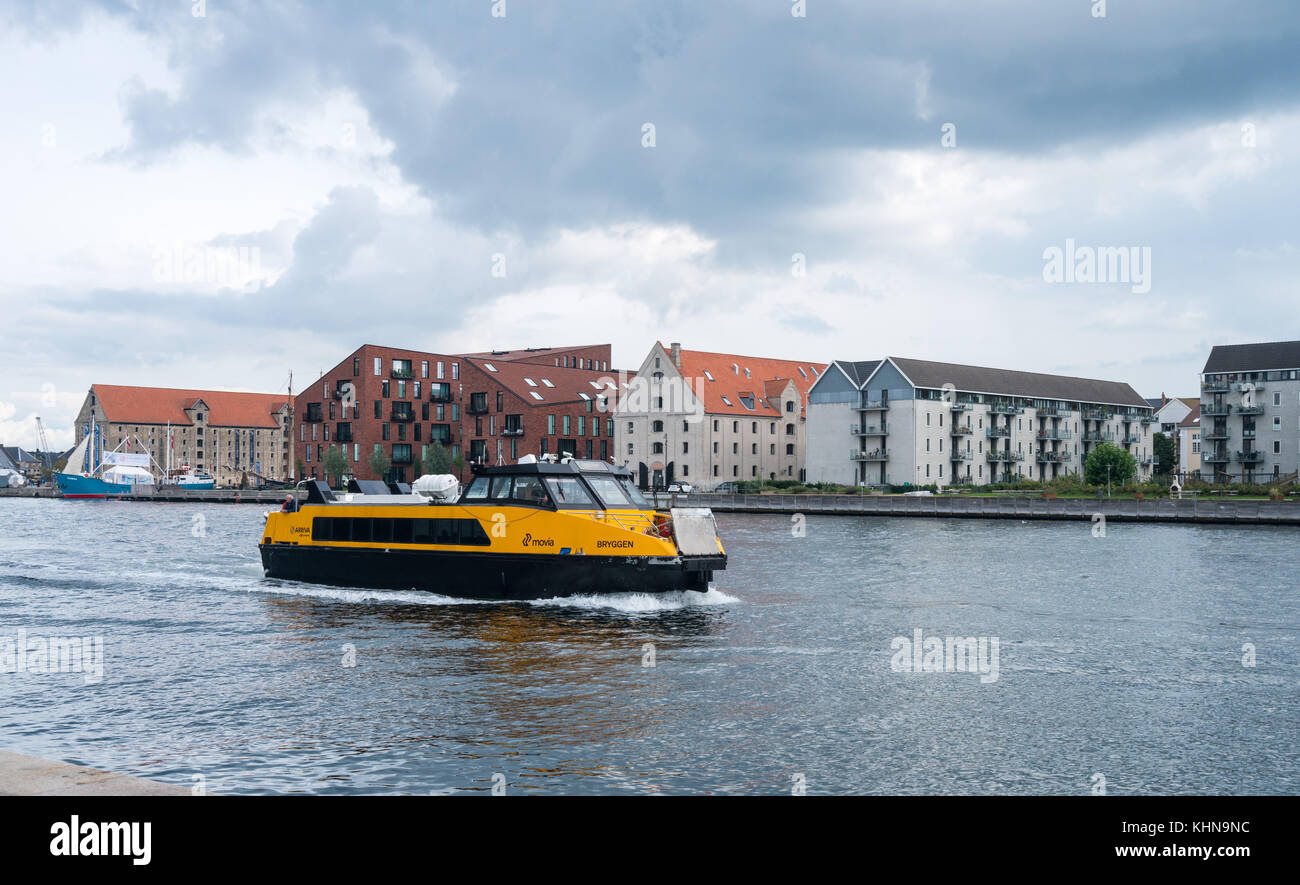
x: 1147, y: 659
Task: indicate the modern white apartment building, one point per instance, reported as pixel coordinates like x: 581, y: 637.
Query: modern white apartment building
x: 902, y: 421
x: 1250, y: 412
x: 709, y: 418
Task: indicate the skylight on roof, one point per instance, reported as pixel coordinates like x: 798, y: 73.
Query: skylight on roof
x: 547, y: 382
x: 709, y: 375
x: 815, y: 372
x: 489, y: 367
x: 534, y: 394
x: 530, y: 382
x: 595, y: 384
x: 802, y: 372
x: 583, y: 395
x: 725, y: 400
x: 746, y: 372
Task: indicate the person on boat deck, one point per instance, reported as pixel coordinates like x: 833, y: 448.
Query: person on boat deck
x: 290, y: 504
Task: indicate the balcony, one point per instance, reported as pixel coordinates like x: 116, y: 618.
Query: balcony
x: 1252, y: 386
x: 402, y: 373
x: 961, y: 430
x: 401, y: 457
x: 1246, y: 433
x: 1250, y: 457
x: 1221, y: 433
x: 1096, y: 414
x: 1098, y: 436
x: 873, y: 405
x: 959, y: 407
x: 1048, y: 433
x: 313, y: 414
x: 1215, y: 457
x: 875, y: 455
x: 1215, y: 387
x: 441, y: 394
x: 958, y: 455
x: 1255, y: 409
x: 1056, y: 411
x: 1006, y: 409
x: 1051, y: 457
x: 512, y: 431
x: 1148, y: 461
x: 869, y: 430
x: 401, y: 415
x: 997, y: 432
x: 1132, y: 439
x: 1004, y: 456
x: 1149, y: 419
x: 1213, y: 410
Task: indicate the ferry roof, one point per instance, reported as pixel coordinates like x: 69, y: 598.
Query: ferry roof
x: 550, y: 468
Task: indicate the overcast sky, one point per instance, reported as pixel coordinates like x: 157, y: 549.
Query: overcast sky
x: 868, y: 179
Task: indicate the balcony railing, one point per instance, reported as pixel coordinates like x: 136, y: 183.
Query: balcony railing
x: 1132, y: 439
x: 1048, y: 433
x: 1097, y: 436
x: 1254, y: 409
x: 1215, y: 409
x: 1244, y: 386
x: 1215, y: 457
x: 869, y: 430
x: 875, y: 455
x: 402, y: 373
x: 1250, y: 457
x: 1217, y: 434
x: 1006, y: 409
x: 399, y: 415
x: 1056, y: 411
x: 512, y: 431
x: 959, y: 407
x: 1215, y: 387
x: 997, y: 432
x: 1051, y: 457
x: 1096, y: 414
x: 959, y: 455
x: 1148, y: 461
x: 1149, y: 419
x: 1246, y: 433
x: 1004, y: 456
x: 961, y: 430
x: 873, y: 405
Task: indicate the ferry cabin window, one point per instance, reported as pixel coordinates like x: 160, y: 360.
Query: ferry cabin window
x: 610, y: 492
x: 634, y: 493
x: 500, y: 487
x: 529, y: 490
x: 400, y: 531
x: 478, y: 489
x: 568, y: 492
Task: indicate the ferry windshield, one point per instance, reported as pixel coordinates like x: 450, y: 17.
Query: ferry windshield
x: 568, y: 492
x: 529, y: 489
x: 477, y: 490
x: 634, y: 493
x: 611, y: 493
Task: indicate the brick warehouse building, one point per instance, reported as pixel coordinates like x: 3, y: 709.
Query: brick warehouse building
x: 486, y: 407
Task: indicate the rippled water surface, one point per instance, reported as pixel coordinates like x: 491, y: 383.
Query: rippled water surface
x: 1120, y: 656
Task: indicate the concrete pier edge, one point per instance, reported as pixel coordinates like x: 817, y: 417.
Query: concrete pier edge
x: 22, y: 775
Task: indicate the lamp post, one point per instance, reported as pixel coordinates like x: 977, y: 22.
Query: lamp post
x: 1107, y: 480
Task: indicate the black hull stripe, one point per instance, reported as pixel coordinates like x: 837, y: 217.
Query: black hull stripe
x: 485, y: 575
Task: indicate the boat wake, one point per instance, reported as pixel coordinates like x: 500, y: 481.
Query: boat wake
x: 631, y: 603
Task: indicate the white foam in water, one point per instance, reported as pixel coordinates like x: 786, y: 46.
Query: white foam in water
x: 642, y: 602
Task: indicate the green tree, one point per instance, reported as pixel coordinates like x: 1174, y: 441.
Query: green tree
x: 1163, y: 448
x: 379, y: 463
x: 458, y: 464
x: 335, y: 464
x: 302, y: 469
x: 436, y: 460
x: 1123, y: 466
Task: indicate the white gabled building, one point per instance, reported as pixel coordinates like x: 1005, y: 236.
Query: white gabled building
x: 901, y: 421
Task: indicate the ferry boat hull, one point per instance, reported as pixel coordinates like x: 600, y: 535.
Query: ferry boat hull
x: 489, y: 575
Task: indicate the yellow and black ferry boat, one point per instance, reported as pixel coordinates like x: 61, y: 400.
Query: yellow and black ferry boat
x: 522, y: 531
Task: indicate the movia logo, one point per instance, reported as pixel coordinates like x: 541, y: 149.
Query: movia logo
x: 530, y: 541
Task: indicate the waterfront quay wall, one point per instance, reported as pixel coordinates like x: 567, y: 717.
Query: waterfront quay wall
x: 1187, y: 510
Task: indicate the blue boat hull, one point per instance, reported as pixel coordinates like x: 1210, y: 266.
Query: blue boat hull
x: 199, y: 485
x: 74, y: 486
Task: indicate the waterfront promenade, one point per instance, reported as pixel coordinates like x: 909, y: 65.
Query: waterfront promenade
x: 1025, y: 507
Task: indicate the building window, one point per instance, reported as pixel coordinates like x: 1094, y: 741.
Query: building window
x: 629, y: 448
x: 657, y: 427
x: 379, y: 366
x: 356, y: 366
x: 386, y: 431
x: 379, y: 409
x: 383, y: 387
x: 789, y: 449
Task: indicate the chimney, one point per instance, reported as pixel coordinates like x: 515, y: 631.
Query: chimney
x: 675, y: 351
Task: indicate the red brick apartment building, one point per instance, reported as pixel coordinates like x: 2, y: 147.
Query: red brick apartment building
x: 486, y: 407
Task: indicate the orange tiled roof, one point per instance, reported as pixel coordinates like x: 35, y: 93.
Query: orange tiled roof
x: 734, y: 375
x: 162, y: 405
x: 552, y: 385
